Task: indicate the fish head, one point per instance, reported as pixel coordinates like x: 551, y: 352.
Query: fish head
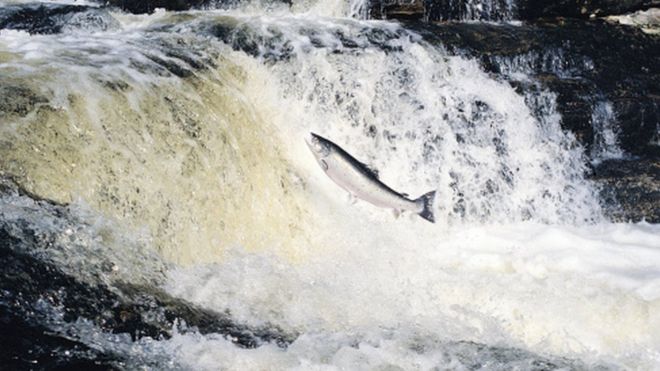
x: 319, y: 146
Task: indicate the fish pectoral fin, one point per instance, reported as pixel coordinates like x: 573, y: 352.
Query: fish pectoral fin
x: 396, y: 213
x: 352, y: 199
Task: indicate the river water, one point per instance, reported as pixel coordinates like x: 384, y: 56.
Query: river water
x: 175, y: 144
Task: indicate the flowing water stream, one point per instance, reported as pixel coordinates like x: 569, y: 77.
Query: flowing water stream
x: 175, y: 143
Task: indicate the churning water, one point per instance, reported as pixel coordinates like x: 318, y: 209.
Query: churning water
x: 177, y: 142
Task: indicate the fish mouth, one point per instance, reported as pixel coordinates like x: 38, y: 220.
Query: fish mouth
x: 314, y: 142
x: 319, y: 146
x: 309, y: 140
x: 314, y: 138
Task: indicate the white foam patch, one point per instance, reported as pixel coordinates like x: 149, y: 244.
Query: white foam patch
x: 382, y: 351
x: 547, y: 288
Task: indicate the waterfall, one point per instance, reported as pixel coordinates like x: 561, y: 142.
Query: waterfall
x: 159, y: 159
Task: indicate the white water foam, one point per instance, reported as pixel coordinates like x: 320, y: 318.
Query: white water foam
x: 548, y: 289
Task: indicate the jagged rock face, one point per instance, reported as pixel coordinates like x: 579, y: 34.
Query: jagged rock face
x: 397, y: 9
x: 502, y: 10
x: 148, y: 6
x: 630, y: 188
x: 530, y: 9
x: 47, y: 18
x: 54, y: 18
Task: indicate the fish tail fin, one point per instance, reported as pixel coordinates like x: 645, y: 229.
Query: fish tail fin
x: 427, y: 201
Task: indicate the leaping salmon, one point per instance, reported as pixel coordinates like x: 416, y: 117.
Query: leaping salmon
x: 362, y: 182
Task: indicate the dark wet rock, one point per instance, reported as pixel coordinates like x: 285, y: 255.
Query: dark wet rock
x: 530, y: 9
x: 25, y: 341
x: 148, y: 6
x: 630, y: 188
x: 397, y: 9
x: 503, y: 10
x: 28, y: 345
x: 55, y: 18
x: 28, y: 283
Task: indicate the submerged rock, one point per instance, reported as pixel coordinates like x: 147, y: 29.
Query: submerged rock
x: 531, y: 9
x: 39, y: 18
x: 397, y: 9
x: 28, y: 345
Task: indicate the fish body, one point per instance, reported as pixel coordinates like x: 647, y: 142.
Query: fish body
x: 362, y: 182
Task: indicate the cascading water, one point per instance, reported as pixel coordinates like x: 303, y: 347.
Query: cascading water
x: 473, y: 10
x: 170, y: 148
x: 605, y: 146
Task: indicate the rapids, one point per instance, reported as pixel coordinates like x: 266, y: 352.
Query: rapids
x: 166, y: 152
